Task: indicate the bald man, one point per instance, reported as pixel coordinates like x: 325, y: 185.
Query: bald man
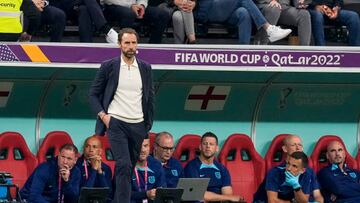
x: 94, y: 172
x: 339, y: 183
x: 291, y: 143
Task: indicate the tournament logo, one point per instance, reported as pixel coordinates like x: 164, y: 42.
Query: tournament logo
x: 151, y: 179
x: 218, y: 175
x: 174, y: 172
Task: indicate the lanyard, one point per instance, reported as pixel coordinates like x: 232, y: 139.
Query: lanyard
x: 60, y: 197
x: 86, y: 169
x: 138, y: 178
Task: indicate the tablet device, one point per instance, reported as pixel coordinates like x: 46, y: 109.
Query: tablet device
x: 94, y: 194
x: 194, y: 188
x: 168, y: 195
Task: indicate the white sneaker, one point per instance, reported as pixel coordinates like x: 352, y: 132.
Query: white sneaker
x: 276, y: 33
x: 112, y: 36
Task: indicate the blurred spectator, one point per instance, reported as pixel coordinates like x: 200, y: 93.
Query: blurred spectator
x: 94, y: 172
x: 281, y: 12
x: 32, y: 21
x: 330, y: 12
x: 88, y: 13
x: 182, y: 19
x: 53, y: 16
x: 127, y: 12
x: 56, y: 180
x: 10, y: 18
x: 163, y: 150
x: 238, y: 13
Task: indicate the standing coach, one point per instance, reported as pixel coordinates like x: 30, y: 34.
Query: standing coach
x: 122, y: 95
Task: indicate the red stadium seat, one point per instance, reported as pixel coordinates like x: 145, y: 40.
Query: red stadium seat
x: 152, y: 141
x: 107, y: 155
x: 318, y: 155
x: 358, y: 158
x: 51, y: 144
x: 15, y: 157
x: 246, y: 166
x: 275, y: 155
x: 187, y: 148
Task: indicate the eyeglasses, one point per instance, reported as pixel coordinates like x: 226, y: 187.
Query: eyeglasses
x: 165, y: 148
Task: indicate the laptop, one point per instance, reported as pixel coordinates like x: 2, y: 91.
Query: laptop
x: 194, y: 188
x: 172, y: 195
x: 94, y: 194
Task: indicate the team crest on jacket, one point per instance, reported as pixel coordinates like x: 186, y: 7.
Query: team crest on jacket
x: 218, y: 175
x: 352, y: 174
x: 174, y: 172
x: 151, y: 179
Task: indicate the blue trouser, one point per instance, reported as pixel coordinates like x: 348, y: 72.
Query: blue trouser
x: 345, y: 17
x: 240, y: 13
x: 90, y: 14
x: 56, y: 18
x: 155, y: 17
x: 125, y: 142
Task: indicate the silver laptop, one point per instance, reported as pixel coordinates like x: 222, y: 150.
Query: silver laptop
x: 194, y: 188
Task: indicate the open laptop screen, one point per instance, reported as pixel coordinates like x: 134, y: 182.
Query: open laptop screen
x: 194, y: 188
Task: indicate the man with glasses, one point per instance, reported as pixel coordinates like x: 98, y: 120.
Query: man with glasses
x: 163, y: 151
x: 205, y: 166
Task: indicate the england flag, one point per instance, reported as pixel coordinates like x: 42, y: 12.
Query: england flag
x: 207, y: 98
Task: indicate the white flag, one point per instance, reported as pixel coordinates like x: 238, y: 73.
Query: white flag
x: 207, y: 98
x: 5, y: 90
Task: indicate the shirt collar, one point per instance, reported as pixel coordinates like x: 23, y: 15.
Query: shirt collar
x: 208, y: 166
x: 134, y: 64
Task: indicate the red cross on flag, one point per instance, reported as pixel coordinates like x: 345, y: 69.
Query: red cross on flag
x: 5, y: 90
x: 207, y: 98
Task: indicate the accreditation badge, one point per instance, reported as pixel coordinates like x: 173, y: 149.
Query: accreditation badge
x: 144, y: 201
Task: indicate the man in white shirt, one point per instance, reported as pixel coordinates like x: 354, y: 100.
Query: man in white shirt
x: 122, y: 95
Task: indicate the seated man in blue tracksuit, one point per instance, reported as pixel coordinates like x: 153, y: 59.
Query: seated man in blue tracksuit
x: 289, y: 182
x: 205, y: 166
x: 163, y: 151
x: 95, y: 173
x: 56, y: 180
x: 147, y: 177
x: 292, y: 143
x: 338, y: 182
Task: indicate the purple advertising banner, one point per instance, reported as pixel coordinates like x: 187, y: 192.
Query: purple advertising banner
x: 228, y: 56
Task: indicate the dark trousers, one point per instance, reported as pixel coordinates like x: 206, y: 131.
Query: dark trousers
x: 156, y: 18
x: 89, y: 14
x: 32, y: 17
x: 125, y: 142
x: 9, y: 37
x: 56, y: 18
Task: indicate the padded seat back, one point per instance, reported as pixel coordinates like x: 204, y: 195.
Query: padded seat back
x: 246, y: 166
x: 187, y: 148
x: 16, y: 158
x: 51, y: 144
